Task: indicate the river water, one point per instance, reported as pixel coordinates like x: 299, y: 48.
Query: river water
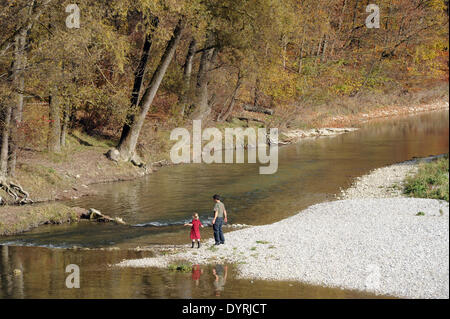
x: 155, y: 207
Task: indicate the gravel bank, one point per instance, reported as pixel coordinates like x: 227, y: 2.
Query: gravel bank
x: 391, y: 246
x: 384, y: 182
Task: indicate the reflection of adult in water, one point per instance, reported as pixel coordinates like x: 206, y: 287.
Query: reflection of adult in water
x: 196, y: 273
x: 220, y: 278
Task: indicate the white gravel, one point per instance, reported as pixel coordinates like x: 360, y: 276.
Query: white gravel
x: 380, y: 245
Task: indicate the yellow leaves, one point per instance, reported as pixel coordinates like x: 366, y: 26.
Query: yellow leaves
x: 438, y: 5
x: 429, y: 51
x: 426, y: 59
x: 279, y: 83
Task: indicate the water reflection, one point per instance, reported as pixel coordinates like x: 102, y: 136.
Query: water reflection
x: 196, y: 274
x: 43, y: 276
x: 220, y: 273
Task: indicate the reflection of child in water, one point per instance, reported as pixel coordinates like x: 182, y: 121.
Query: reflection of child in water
x: 220, y: 273
x: 196, y: 273
x: 195, y: 229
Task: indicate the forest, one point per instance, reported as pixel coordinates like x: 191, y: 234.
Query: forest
x: 125, y: 72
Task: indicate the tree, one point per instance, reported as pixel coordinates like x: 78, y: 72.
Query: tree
x: 126, y: 149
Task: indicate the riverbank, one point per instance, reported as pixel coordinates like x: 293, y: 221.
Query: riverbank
x: 386, y: 181
x: 379, y: 242
x: 69, y: 175
x: 19, y: 219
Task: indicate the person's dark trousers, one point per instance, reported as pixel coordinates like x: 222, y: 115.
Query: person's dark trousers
x: 218, y: 233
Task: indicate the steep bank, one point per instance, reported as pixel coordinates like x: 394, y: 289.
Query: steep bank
x: 392, y: 246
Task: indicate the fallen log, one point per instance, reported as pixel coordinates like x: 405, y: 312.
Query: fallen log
x: 258, y: 109
x: 95, y: 215
x: 245, y: 118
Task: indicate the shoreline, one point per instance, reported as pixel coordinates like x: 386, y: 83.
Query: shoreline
x: 391, y: 250
x: 77, y: 179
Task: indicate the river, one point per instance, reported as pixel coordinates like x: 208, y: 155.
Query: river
x: 155, y: 207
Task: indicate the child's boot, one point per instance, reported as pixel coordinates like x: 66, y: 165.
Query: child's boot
x: 198, y: 245
x: 193, y: 244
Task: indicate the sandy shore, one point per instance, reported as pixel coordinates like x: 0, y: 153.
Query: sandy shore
x: 376, y: 244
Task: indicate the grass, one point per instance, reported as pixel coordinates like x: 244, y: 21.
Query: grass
x: 213, y: 248
x: 76, y: 142
x: 38, y: 176
x: 431, y: 180
x: 18, y: 219
x: 181, y: 267
x: 168, y: 252
x: 420, y: 214
x: 263, y: 242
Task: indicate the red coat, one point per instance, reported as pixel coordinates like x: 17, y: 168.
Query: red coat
x: 195, y: 229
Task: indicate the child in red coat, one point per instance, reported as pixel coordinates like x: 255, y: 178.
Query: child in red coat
x: 195, y: 229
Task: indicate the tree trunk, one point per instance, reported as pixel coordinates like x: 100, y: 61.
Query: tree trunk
x: 64, y: 126
x: 300, y: 55
x: 341, y: 20
x: 319, y: 49
x: 127, y: 144
x: 13, y: 113
x: 187, y: 72
x: 227, y: 113
x: 355, y: 11
x: 5, y: 141
x: 17, y: 110
x: 202, y: 106
x: 138, y: 79
x: 54, y: 130
x: 324, y: 46
x: 257, y: 96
